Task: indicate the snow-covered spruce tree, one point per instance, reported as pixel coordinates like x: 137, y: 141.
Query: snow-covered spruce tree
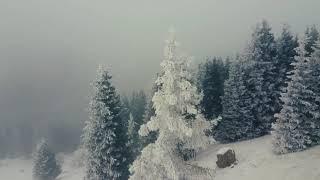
x: 286, y: 45
x: 177, y: 121
x: 295, y: 122
x: 315, y: 87
x: 237, y: 119
x: 105, y: 133
x: 45, y: 166
x: 259, y: 96
x: 260, y: 79
x: 312, y: 35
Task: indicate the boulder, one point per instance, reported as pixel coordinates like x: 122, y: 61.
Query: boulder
x: 226, y: 157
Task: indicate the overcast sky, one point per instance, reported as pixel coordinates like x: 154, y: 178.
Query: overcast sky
x: 50, y: 49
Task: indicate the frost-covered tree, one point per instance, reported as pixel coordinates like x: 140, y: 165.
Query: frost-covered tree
x: 315, y: 87
x: 261, y: 78
x: 176, y: 119
x: 286, y: 45
x: 105, y: 133
x: 311, y: 37
x: 237, y: 119
x: 45, y: 166
x: 295, y: 123
x: 258, y: 81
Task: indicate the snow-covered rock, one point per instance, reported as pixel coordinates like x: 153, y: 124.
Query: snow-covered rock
x: 226, y: 157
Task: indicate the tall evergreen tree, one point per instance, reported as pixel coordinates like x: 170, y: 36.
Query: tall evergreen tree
x: 105, y: 134
x: 212, y: 75
x: 237, y: 119
x: 315, y: 87
x: 45, y: 166
x: 261, y: 77
x: 256, y: 77
x: 311, y: 38
x: 175, y: 103
x: 295, y: 123
x: 286, y: 45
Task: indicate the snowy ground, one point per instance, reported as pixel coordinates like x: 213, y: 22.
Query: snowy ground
x: 255, y: 162
x: 15, y: 169
x: 18, y: 169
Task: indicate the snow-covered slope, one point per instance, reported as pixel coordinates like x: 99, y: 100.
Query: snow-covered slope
x: 21, y: 169
x: 70, y: 171
x: 256, y: 161
x: 15, y: 169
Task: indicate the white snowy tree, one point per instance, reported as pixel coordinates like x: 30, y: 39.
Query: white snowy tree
x: 45, y: 166
x: 295, y: 122
x: 176, y: 119
x: 105, y: 134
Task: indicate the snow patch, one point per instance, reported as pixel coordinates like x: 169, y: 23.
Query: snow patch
x: 224, y: 150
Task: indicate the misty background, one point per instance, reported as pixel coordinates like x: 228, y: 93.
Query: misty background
x: 50, y: 50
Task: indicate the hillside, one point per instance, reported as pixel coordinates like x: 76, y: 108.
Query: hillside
x: 257, y: 162
x: 21, y: 169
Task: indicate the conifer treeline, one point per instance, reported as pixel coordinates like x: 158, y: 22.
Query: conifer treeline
x: 257, y: 81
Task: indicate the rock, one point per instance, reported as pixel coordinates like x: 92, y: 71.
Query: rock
x: 226, y: 157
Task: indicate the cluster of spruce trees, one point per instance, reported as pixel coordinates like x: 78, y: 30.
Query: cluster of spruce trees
x: 297, y: 125
x: 111, y: 136
x: 272, y: 87
x: 258, y: 79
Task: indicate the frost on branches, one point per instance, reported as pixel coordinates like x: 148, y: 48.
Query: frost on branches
x: 105, y: 134
x: 298, y: 121
x: 176, y: 119
x: 45, y: 166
